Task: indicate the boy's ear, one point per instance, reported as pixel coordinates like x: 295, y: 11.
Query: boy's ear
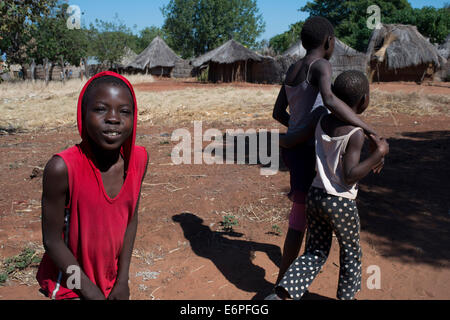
x: 327, y: 43
x: 362, y: 101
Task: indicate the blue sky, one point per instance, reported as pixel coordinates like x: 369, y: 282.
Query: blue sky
x: 278, y: 14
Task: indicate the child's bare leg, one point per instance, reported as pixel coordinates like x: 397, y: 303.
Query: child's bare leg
x: 294, y: 237
x: 291, y: 249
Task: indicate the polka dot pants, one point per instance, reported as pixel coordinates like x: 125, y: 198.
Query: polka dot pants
x: 326, y: 214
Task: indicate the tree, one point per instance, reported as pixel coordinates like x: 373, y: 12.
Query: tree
x: 108, y: 40
x: 194, y: 27
x: 349, y: 18
x: 18, y: 19
x: 282, y: 42
x: 53, y: 40
x: 179, y: 25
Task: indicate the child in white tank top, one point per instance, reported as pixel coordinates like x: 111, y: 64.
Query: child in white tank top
x: 331, y: 206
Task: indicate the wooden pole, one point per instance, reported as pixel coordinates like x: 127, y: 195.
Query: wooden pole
x: 63, y: 78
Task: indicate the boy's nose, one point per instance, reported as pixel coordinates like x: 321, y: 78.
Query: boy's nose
x: 112, y: 117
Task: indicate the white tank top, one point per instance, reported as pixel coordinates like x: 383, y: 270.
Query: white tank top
x: 329, y: 164
x: 303, y: 99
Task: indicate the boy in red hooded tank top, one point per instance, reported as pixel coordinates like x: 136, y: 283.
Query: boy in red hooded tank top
x: 90, y: 197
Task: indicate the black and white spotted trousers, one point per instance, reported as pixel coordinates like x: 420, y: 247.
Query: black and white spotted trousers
x: 326, y: 214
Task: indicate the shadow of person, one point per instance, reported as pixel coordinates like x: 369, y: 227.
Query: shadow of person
x: 232, y: 257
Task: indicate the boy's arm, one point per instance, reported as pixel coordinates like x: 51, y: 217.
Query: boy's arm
x: 304, y: 131
x: 121, y: 290
x: 279, y: 111
x: 339, y: 108
x: 355, y: 170
x: 55, y: 188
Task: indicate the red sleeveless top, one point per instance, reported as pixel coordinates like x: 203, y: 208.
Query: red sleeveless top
x: 97, y: 223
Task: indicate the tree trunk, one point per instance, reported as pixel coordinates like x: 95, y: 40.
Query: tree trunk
x: 86, y: 68
x: 63, y: 77
x: 33, y: 71
x: 46, y: 77
x: 81, y: 69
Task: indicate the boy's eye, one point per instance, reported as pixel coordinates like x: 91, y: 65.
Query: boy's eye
x: 99, y: 108
x: 126, y: 111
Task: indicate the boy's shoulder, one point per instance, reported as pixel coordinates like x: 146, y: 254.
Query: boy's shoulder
x: 338, y: 128
x: 321, y: 64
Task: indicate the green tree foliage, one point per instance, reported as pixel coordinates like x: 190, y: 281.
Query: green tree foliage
x: 350, y: 17
x: 194, y: 27
x: 179, y: 25
x: 18, y: 19
x: 108, y: 40
x: 52, y: 39
x: 282, y: 42
x: 431, y: 22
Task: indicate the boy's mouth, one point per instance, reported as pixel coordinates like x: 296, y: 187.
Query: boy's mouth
x: 111, y: 133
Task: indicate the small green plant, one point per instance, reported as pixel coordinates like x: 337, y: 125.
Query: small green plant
x: 276, y: 230
x: 3, y: 277
x: 164, y: 142
x: 23, y: 260
x: 228, y: 222
x: 203, y: 76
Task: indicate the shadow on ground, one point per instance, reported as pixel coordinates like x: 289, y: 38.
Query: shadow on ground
x: 232, y: 257
x: 407, y: 206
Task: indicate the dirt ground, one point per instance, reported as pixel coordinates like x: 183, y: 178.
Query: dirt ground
x: 181, y: 251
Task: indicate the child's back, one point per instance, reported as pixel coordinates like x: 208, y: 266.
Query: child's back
x: 332, y: 137
x: 331, y: 206
x: 302, y: 96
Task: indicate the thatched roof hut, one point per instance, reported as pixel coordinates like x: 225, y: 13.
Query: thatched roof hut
x: 444, y: 48
x: 128, y: 57
x: 444, y: 51
x: 229, y: 62
x: 400, y: 53
x: 346, y: 58
x: 296, y: 50
x: 157, y: 59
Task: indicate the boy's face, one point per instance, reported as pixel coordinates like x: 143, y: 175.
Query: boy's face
x: 109, y: 116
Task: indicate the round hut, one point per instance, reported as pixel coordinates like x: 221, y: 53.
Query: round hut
x: 128, y: 57
x: 400, y: 53
x: 296, y: 50
x: 346, y: 58
x: 228, y: 63
x: 157, y: 59
x: 444, y: 51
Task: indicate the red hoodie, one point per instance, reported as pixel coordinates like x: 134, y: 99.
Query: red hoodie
x: 97, y: 223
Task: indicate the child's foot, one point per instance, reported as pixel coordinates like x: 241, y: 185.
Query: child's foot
x: 273, y: 296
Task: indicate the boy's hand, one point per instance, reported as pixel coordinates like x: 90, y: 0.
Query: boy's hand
x: 382, y: 146
x: 120, y: 291
x: 378, y: 167
x: 373, y: 145
x: 92, y: 293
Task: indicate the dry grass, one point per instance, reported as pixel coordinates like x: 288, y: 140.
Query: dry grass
x: 414, y: 103
x: 33, y: 106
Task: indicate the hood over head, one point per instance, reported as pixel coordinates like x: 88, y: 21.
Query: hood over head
x: 128, y: 145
